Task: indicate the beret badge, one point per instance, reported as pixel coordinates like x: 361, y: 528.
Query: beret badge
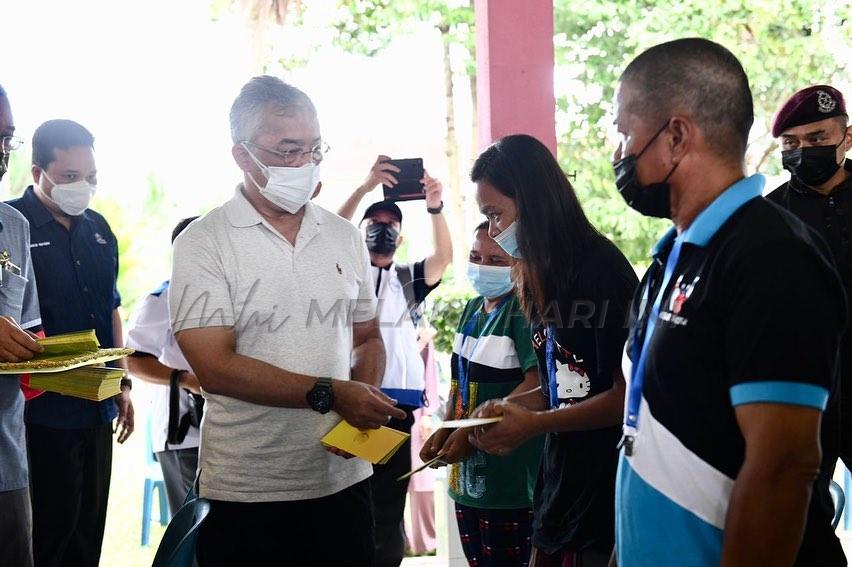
x: 825, y: 102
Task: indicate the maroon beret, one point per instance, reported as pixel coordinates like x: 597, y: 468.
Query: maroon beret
x: 809, y: 105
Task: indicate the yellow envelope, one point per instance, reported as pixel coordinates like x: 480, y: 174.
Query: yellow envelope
x: 374, y: 445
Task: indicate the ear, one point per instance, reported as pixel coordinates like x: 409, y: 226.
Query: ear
x: 682, y: 132
x: 242, y: 158
x: 848, y: 137
x: 399, y: 240
x: 36, y: 171
x: 317, y: 190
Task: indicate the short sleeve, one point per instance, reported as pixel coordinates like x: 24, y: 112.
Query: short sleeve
x: 150, y: 327
x: 116, y: 296
x: 30, y: 312
x: 199, y: 294
x: 367, y: 304
x: 519, y: 328
x: 784, y: 316
x: 421, y: 290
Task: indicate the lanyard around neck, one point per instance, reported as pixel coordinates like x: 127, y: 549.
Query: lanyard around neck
x: 640, y: 353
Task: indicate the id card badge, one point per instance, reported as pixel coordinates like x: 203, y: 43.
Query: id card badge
x: 7, y: 265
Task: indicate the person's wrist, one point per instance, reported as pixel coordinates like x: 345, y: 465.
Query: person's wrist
x: 321, y: 397
x: 540, y: 422
x: 435, y: 208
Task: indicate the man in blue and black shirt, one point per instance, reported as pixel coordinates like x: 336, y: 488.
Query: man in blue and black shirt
x: 75, y: 258
x: 730, y: 433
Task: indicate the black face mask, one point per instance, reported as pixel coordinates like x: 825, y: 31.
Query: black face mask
x: 812, y: 166
x: 652, y: 200
x: 381, y: 238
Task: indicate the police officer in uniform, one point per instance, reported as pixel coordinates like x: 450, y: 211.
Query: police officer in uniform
x: 815, y: 138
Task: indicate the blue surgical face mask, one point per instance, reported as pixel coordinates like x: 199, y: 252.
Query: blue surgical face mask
x: 508, y: 240
x: 490, y: 281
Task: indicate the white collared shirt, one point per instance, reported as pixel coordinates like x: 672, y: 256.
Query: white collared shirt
x: 290, y: 306
x: 150, y: 332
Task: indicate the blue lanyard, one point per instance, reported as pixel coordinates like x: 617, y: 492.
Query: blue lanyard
x: 637, y: 380
x: 549, y: 356
x: 467, y: 331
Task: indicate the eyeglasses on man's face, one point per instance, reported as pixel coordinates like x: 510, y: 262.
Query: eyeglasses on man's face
x: 10, y: 143
x: 297, y: 157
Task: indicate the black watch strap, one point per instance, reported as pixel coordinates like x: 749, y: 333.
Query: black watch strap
x: 435, y: 210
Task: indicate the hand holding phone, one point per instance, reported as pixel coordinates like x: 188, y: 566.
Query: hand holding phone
x: 408, y: 185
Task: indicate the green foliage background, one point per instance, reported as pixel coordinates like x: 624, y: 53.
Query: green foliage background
x: 782, y: 45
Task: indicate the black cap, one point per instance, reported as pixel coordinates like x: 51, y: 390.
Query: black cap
x: 388, y: 206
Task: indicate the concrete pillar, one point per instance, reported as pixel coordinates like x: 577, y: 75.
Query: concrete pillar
x: 514, y: 70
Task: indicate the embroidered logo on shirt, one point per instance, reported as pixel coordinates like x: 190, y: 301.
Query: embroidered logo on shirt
x: 99, y: 239
x: 683, y: 292
x: 680, y: 295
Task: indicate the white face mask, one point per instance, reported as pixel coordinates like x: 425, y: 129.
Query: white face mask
x: 72, y: 198
x: 288, y: 188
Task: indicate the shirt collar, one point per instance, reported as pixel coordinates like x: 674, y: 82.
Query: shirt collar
x: 711, y: 219
x: 39, y: 215
x: 241, y: 213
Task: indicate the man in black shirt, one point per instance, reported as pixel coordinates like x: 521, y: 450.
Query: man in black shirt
x: 727, y: 453
x: 75, y: 262
x: 815, y: 138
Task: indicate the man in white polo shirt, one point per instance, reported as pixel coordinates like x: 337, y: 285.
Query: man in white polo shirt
x: 272, y: 303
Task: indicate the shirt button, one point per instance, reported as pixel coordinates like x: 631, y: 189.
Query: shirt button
x: 85, y: 289
x: 92, y: 315
x: 78, y: 262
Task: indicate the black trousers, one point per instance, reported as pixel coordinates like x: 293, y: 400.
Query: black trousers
x: 336, y: 530
x: 389, y: 498
x: 846, y: 400
x: 69, y: 482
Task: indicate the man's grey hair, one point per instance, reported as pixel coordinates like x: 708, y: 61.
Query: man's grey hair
x: 259, y: 95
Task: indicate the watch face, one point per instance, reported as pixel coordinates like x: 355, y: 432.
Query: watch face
x: 320, y: 399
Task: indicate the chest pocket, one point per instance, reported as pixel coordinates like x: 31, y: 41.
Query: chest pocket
x: 12, y: 295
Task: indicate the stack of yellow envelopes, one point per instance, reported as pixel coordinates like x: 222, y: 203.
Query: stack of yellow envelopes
x: 68, y: 366
x: 374, y: 445
x: 88, y: 382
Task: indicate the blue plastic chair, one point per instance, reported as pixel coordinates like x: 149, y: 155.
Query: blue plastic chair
x: 839, y: 500
x: 847, y: 512
x: 153, y: 481
x: 177, y: 549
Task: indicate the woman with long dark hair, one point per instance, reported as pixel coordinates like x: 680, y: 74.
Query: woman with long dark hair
x: 575, y: 287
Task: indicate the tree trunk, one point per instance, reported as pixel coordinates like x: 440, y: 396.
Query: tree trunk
x: 474, y: 115
x: 471, y: 77
x: 458, y: 230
